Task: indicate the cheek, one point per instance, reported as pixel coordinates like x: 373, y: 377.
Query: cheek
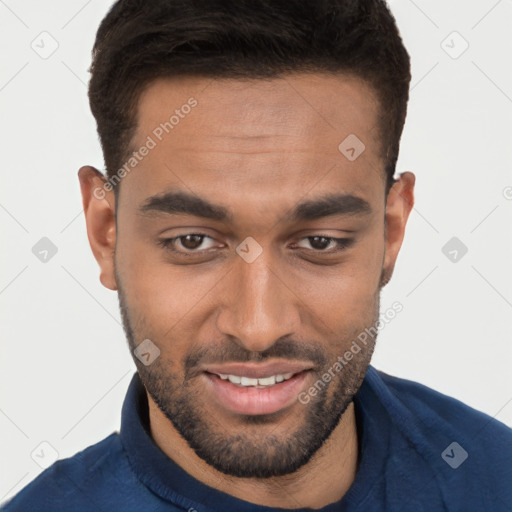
x: 349, y: 285
x: 160, y: 295
x: 342, y: 300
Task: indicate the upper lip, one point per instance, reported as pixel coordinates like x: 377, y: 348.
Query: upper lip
x: 257, y: 370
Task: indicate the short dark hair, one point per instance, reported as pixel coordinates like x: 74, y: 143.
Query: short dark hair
x: 141, y: 40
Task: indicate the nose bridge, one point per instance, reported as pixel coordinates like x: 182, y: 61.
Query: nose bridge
x: 258, y: 308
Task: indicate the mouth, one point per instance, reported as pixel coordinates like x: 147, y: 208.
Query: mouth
x: 264, y: 382
x: 256, y: 389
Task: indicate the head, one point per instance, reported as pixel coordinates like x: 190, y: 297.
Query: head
x: 249, y: 213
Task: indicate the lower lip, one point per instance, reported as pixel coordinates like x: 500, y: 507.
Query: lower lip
x: 253, y: 400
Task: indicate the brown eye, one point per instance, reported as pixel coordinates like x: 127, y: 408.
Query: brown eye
x: 319, y: 242
x: 327, y: 244
x: 191, y: 241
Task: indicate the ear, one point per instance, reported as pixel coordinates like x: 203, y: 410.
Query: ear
x: 99, y: 207
x: 399, y: 204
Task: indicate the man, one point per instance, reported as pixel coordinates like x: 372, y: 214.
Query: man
x: 248, y: 220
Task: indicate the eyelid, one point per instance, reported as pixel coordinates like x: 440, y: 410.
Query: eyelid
x: 342, y: 243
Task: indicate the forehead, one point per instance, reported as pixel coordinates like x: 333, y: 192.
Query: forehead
x: 290, y: 106
x: 258, y: 139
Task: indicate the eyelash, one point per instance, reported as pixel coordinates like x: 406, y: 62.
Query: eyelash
x: 168, y: 243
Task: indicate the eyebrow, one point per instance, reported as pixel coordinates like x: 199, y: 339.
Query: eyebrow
x: 183, y: 203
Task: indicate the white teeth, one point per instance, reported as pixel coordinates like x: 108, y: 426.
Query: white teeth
x: 248, y: 381
x: 267, y: 381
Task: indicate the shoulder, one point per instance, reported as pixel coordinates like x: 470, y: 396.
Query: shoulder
x: 435, y: 409
x: 76, y: 483
x: 469, y: 452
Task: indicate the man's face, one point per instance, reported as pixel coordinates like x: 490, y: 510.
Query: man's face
x: 256, y: 287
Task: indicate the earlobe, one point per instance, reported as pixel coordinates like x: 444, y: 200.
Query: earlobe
x: 99, y: 210
x: 399, y: 204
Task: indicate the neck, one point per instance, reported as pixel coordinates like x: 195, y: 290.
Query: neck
x: 314, y: 485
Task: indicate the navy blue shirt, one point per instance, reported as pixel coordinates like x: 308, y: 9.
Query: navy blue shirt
x: 419, y: 450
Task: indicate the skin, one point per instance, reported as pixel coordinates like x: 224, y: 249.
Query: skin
x: 258, y: 148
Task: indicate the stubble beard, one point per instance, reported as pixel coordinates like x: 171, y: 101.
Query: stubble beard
x: 253, y: 450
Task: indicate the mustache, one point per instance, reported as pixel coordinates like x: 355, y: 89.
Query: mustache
x: 232, y: 352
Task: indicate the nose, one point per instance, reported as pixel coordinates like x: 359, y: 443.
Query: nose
x: 259, y: 306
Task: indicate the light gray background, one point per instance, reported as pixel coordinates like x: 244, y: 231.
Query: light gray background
x: 65, y: 366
